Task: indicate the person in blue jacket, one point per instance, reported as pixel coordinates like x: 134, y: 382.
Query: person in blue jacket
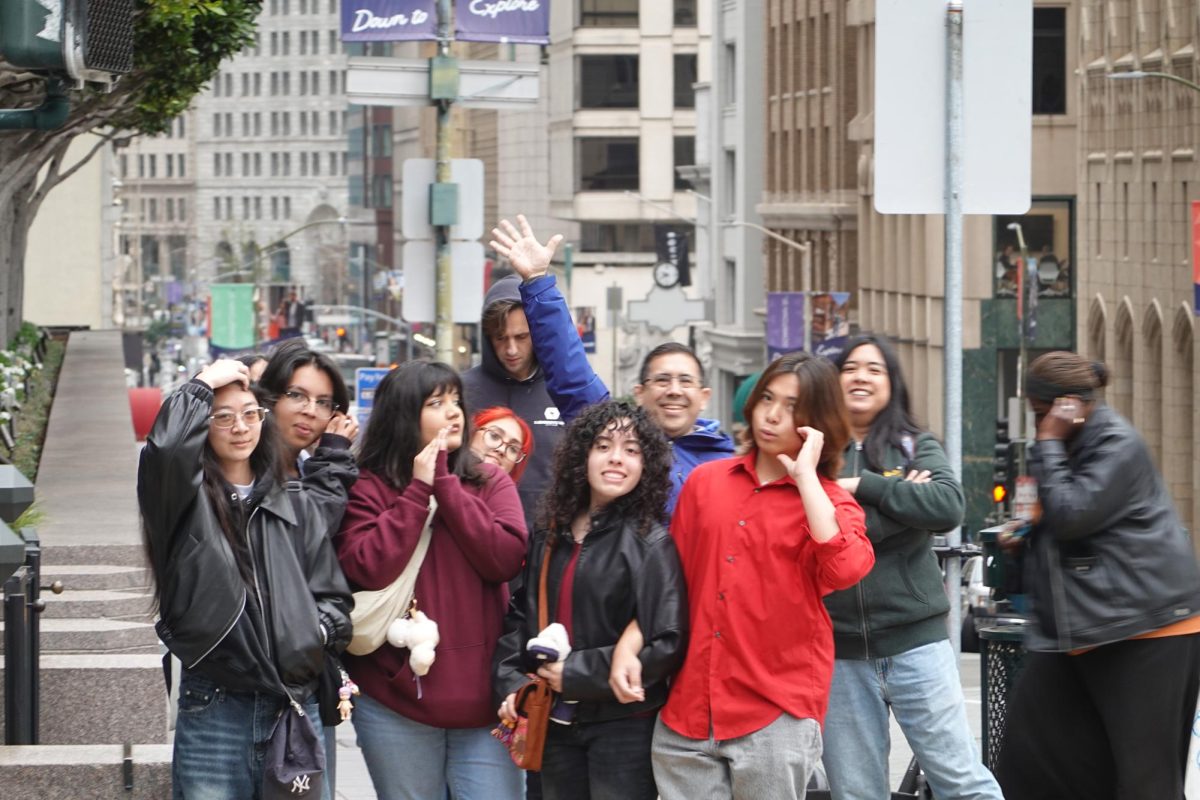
x: 671, y: 384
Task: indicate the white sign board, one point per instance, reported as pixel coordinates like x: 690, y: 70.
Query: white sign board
x: 910, y: 106
x: 420, y: 281
x: 419, y: 174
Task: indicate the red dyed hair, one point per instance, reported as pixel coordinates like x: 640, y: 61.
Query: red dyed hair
x: 490, y: 415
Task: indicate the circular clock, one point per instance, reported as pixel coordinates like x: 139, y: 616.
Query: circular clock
x: 666, y: 274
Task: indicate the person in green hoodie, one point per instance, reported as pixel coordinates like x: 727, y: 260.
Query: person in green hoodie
x: 891, y: 646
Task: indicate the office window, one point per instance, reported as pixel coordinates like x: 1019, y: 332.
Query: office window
x: 124, y: 166
x: 685, y: 13
x: 258, y: 208
x: 333, y: 81
x: 274, y: 164
x: 304, y: 165
x: 229, y: 85
x: 303, y: 124
x: 274, y: 43
x: 217, y: 162
x: 246, y: 127
x: 333, y: 42
x: 606, y: 164
x: 316, y: 123
x: 616, y: 237
x: 685, y: 156
x: 381, y: 191
x: 274, y: 83
x: 216, y: 87
x: 258, y: 84
x: 285, y: 44
x: 287, y: 208
x: 228, y: 207
x: 181, y: 208
x: 182, y: 125
x: 608, y: 81
x: 245, y: 163
x: 304, y: 6
x: 685, y: 77
x: 316, y: 163
x: 216, y: 208
x: 170, y: 206
x: 170, y: 165
x: 333, y: 123
x: 608, y: 13
x: 258, y: 123
x: 1047, y: 228
x: 287, y: 164
x: 216, y: 125
x: 316, y: 82
x: 229, y: 164
x: 153, y: 206
x: 286, y: 117
x: 729, y: 74
x: 246, y: 208
x: 274, y: 208
x: 333, y: 163
x: 182, y: 166
x: 303, y: 43
x: 303, y: 82
x: 229, y: 124
x: 245, y: 84
x: 287, y: 83
x: 257, y: 164
x: 381, y: 141
x: 1049, y: 61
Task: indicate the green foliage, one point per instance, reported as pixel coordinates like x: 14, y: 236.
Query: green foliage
x: 158, y: 330
x: 178, y: 47
x: 31, y: 422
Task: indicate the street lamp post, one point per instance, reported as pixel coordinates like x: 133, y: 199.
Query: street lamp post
x: 1137, y: 74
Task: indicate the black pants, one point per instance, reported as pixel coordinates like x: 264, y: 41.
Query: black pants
x: 1114, y: 722
x: 599, y: 761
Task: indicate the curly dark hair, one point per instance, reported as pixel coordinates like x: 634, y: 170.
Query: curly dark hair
x: 571, y: 493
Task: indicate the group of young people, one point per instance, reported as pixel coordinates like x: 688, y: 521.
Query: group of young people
x: 737, y: 625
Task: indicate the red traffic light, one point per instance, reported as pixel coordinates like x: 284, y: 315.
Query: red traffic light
x: 999, y: 493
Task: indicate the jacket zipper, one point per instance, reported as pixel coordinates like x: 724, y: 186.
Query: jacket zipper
x: 1060, y: 600
x: 257, y: 588
x: 224, y: 633
x: 862, y: 600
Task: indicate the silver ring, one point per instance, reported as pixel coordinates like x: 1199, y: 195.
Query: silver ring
x: 1079, y: 420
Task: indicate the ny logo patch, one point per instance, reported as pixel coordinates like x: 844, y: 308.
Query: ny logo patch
x: 300, y: 785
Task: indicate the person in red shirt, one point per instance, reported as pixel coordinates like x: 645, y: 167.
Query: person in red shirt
x: 420, y: 736
x: 762, y: 538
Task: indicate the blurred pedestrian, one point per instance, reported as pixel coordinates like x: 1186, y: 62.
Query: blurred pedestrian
x: 426, y: 736
x: 1105, y: 702
x: 602, y: 538
x: 762, y: 537
x: 891, y: 649
x: 249, y: 593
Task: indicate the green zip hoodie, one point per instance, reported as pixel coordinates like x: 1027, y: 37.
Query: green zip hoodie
x: 901, y: 604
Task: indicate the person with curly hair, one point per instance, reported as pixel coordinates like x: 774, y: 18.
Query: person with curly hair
x: 762, y: 538
x: 610, y: 561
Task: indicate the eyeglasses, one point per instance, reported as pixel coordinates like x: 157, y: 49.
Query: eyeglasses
x: 323, y: 407
x: 664, y: 380
x: 494, y: 439
x: 227, y: 419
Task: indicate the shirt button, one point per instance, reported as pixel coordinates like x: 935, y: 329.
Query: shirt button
x: 717, y: 635
x: 720, y: 595
x: 756, y: 491
x: 742, y: 523
x: 729, y: 559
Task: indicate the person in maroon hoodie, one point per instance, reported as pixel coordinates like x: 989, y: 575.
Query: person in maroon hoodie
x: 429, y: 737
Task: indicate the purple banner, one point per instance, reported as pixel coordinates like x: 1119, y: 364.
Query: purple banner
x: 785, y: 323
x: 388, y: 20
x: 506, y: 21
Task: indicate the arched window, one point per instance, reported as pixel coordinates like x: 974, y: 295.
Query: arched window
x: 1120, y: 394
x: 1181, y: 470
x: 1151, y: 422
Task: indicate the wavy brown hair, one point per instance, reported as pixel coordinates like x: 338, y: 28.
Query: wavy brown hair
x: 821, y: 405
x: 571, y: 494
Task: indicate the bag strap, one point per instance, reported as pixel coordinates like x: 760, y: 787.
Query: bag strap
x: 543, y: 609
x: 418, y: 557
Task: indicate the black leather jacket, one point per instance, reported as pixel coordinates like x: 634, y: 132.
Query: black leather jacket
x: 267, y: 631
x: 1109, y: 558
x: 619, y: 576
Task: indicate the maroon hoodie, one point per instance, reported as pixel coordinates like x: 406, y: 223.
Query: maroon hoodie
x: 478, y: 544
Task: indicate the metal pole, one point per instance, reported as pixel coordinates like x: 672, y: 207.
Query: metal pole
x: 1016, y: 426
x: 445, y: 304
x: 18, y: 721
x: 952, y: 310
x: 806, y: 287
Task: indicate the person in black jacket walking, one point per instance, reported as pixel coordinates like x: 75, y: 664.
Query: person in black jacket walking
x: 1105, y: 703
x: 611, y: 561
x: 248, y: 587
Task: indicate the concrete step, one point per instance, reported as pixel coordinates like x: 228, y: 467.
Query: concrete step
x: 98, y: 604
x: 101, y: 699
x: 81, y: 576
x: 125, y: 555
x: 70, y: 772
x: 73, y: 635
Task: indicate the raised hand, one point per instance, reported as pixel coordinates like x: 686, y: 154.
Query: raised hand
x: 343, y: 425
x: 529, y: 257
x: 425, y: 464
x: 223, y: 372
x: 806, y: 461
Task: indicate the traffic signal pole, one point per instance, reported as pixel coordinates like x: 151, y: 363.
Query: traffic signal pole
x: 443, y: 194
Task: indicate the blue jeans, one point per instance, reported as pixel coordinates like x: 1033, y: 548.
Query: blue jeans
x: 221, y: 740
x: 411, y: 761
x: 921, y: 687
x: 599, y: 761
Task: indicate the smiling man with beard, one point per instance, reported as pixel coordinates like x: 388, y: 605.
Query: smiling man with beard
x: 671, y: 384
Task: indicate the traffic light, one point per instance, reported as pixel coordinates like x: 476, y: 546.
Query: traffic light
x: 1003, y: 471
x: 89, y: 40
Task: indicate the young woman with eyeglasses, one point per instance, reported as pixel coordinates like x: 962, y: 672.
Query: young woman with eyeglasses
x: 504, y: 439
x: 308, y: 397
x: 247, y: 584
x: 430, y: 736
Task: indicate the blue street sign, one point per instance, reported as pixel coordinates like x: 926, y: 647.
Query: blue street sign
x: 366, y: 379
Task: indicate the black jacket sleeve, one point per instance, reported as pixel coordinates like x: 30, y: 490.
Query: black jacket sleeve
x: 509, y: 665
x: 1084, y: 499
x: 328, y: 476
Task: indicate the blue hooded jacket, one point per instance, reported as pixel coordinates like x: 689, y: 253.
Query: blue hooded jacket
x: 574, y: 385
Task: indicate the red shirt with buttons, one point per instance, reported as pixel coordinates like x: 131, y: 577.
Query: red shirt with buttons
x: 761, y: 642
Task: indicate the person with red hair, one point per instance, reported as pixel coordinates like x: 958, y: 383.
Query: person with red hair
x: 504, y: 439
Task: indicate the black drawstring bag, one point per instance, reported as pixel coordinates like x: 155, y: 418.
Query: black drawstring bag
x: 295, y: 760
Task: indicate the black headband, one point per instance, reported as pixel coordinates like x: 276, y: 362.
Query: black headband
x: 1047, y: 391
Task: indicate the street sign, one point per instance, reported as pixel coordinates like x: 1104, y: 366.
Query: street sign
x: 420, y: 281
x: 334, y: 319
x: 377, y: 81
x: 910, y: 106
x: 665, y: 310
x: 366, y: 380
x: 419, y: 175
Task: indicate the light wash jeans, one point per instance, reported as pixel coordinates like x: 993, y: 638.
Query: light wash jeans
x: 921, y: 687
x: 774, y: 763
x: 411, y: 761
x: 221, y: 740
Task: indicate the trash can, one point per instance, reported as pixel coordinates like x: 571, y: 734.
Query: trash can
x: 1002, y: 655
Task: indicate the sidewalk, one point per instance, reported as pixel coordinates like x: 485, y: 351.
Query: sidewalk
x: 355, y: 784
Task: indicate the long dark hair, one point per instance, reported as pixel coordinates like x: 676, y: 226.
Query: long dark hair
x: 894, y: 421
x: 291, y: 356
x: 393, y: 436
x: 571, y: 493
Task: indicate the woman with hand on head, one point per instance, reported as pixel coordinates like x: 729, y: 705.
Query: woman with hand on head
x: 308, y: 398
x: 609, y: 560
x: 425, y: 736
x: 504, y: 439
x: 889, y: 631
x: 1105, y: 702
x: 248, y: 589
